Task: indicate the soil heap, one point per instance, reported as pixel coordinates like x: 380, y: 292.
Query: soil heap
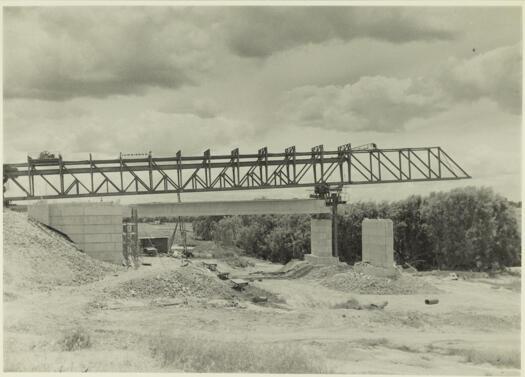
x: 189, y: 281
x: 37, y: 258
x: 359, y: 279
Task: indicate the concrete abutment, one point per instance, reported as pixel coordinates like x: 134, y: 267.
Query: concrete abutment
x: 95, y: 227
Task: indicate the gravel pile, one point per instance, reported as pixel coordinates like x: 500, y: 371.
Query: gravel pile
x: 360, y: 283
x: 186, y: 282
x: 363, y: 279
x: 36, y: 257
x: 327, y: 271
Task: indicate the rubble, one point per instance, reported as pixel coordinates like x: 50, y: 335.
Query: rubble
x: 363, y: 279
x: 362, y: 283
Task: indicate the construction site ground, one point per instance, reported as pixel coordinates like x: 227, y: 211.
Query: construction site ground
x: 132, y: 317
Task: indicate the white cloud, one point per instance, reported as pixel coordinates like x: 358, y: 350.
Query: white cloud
x: 372, y: 103
x: 495, y: 74
x: 387, y: 104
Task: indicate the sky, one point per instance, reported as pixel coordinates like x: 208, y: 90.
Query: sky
x: 105, y: 80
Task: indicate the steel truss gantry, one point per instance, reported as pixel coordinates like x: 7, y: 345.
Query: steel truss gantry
x: 264, y: 170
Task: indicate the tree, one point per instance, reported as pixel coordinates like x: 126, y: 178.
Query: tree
x: 411, y: 240
x: 203, y: 226
x: 471, y: 228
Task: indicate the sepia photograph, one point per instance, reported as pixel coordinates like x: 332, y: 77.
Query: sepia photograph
x: 251, y: 187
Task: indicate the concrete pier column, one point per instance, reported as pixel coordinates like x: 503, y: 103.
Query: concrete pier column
x: 321, y: 243
x: 378, y: 242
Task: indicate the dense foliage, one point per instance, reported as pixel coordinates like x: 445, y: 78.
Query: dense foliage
x: 470, y: 228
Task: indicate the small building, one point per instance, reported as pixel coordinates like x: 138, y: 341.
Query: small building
x: 160, y: 243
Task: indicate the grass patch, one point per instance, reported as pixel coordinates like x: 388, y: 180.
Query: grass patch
x: 499, y: 358
x: 383, y: 342
x: 251, y: 291
x: 238, y: 262
x: 373, y: 342
x: 191, y: 354
x: 75, y: 339
x: 352, y: 303
x: 495, y: 357
x: 349, y: 304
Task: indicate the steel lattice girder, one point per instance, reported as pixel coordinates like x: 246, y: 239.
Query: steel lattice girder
x: 160, y: 175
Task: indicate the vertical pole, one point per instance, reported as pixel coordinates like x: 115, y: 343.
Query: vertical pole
x: 371, y: 168
x: 179, y: 171
x: 335, y: 200
x: 61, y: 174
x: 294, y: 167
x: 439, y: 162
x: 207, y: 168
x: 287, y: 157
x: 238, y: 169
x: 125, y: 240
x: 429, y: 167
x: 379, y: 165
x: 30, y: 177
x: 314, y: 165
x: 135, y: 236
x: 266, y: 165
x: 349, y: 166
x: 259, y: 162
x: 121, y: 174
x: 400, y: 166
x: 321, y: 157
x: 235, y: 167
x: 409, y: 166
x: 341, y: 159
x: 91, y: 172
x: 150, y: 172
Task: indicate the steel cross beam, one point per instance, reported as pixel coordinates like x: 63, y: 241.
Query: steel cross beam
x: 58, y: 178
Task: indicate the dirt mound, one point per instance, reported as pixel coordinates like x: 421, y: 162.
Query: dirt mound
x: 36, y: 257
x: 361, y: 283
x: 320, y: 272
x: 362, y: 280
x: 295, y: 269
x: 189, y: 281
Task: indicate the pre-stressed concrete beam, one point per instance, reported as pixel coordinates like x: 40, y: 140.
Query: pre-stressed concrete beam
x: 244, y: 207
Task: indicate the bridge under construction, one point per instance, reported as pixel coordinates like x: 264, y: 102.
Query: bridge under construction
x: 57, y: 178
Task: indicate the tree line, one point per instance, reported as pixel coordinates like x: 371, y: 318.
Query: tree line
x: 463, y: 229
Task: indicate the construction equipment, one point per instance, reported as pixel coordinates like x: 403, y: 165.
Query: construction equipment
x: 332, y: 199
x: 150, y: 251
x: 239, y: 284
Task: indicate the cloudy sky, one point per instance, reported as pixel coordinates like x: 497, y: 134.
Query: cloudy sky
x: 133, y: 79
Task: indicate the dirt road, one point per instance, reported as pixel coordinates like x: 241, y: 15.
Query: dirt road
x: 475, y: 328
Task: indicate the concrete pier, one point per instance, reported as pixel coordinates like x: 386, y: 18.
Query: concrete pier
x: 321, y: 243
x: 378, y: 243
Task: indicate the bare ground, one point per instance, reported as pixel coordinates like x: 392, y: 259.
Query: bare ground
x: 474, y: 330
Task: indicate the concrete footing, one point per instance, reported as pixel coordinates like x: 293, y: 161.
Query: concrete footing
x: 322, y: 261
